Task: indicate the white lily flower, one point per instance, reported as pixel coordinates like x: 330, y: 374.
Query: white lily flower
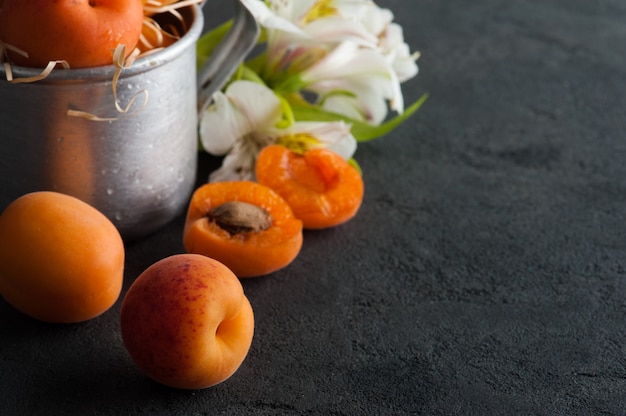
x: 246, y: 118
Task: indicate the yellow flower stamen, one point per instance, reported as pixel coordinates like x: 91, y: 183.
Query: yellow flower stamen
x: 321, y: 8
x: 299, y: 142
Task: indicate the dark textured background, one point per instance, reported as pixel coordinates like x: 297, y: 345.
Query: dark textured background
x: 484, y: 274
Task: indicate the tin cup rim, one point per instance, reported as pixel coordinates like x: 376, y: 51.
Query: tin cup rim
x: 191, y: 14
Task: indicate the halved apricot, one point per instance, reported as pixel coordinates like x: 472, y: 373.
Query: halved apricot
x: 322, y: 188
x: 245, y: 225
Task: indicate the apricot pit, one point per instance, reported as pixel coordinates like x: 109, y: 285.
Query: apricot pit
x: 241, y: 217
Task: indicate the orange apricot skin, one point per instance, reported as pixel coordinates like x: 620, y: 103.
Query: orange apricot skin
x: 322, y: 188
x: 249, y: 254
x: 82, y: 32
x: 186, y: 322
x: 61, y: 260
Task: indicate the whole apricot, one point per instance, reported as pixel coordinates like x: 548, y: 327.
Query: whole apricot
x: 82, y: 32
x: 61, y: 260
x: 186, y: 322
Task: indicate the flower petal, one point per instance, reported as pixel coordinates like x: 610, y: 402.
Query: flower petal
x: 236, y: 166
x: 366, y: 105
x: 326, y: 133
x: 267, y: 18
x: 245, y: 108
x: 376, y: 19
x: 221, y: 125
x: 345, y: 147
x: 365, y: 74
x: 337, y: 29
x: 398, y: 53
x: 348, y: 62
x: 310, y: 134
x: 257, y: 103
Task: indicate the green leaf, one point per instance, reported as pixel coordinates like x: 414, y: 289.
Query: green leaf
x: 362, y: 132
x: 288, y: 85
x: 256, y: 63
x: 209, y: 41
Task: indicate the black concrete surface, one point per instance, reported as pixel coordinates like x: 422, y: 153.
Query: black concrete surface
x: 484, y: 274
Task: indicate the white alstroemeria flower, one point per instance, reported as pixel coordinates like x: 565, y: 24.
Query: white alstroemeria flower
x: 327, y: 20
x: 246, y: 118
x: 391, y: 42
x: 360, y: 78
x: 347, y: 52
x: 300, y: 32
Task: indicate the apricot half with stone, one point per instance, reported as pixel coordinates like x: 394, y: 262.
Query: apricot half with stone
x: 243, y: 224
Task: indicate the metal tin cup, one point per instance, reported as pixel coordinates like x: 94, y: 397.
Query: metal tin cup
x: 138, y: 167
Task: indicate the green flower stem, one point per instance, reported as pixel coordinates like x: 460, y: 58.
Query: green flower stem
x: 288, y: 116
x: 290, y: 85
